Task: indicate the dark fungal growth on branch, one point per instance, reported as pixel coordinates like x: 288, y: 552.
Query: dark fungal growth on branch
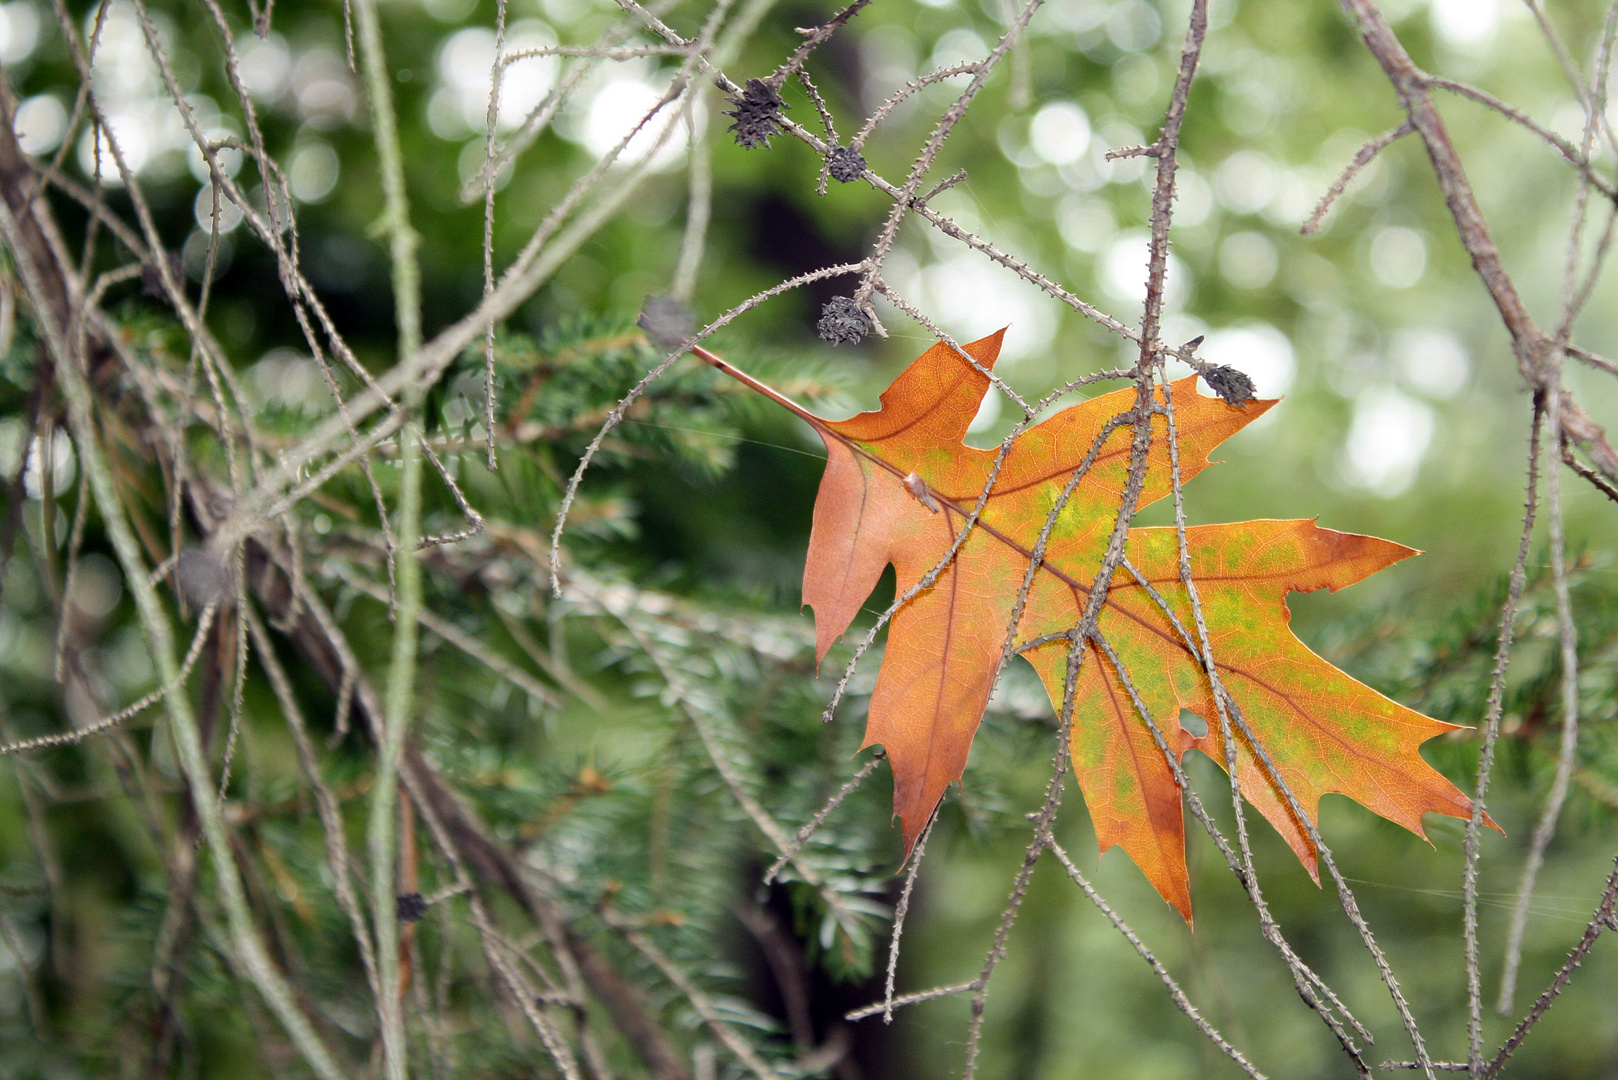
x: 757, y: 114
x: 410, y: 907
x: 1233, y: 387
x: 842, y: 320
x: 845, y: 164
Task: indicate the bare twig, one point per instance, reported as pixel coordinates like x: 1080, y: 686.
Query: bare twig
x: 1175, y: 993
x: 1599, y: 923
x: 899, y: 914
x: 1491, y: 736
x: 1364, y: 157
x: 822, y: 814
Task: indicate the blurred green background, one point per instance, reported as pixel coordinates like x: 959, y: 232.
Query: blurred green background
x: 1403, y: 417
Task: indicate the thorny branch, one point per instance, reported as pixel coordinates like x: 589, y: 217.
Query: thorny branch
x: 247, y: 527
x: 1539, y: 361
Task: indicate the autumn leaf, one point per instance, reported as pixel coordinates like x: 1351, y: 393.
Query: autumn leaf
x: 900, y: 485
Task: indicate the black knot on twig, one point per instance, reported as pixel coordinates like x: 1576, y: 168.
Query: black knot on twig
x: 845, y: 164
x: 1233, y: 387
x: 410, y: 906
x: 842, y: 320
x: 757, y: 113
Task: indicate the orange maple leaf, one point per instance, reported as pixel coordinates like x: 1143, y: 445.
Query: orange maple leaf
x: 900, y: 485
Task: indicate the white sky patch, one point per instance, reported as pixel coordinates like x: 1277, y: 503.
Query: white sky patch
x: 1060, y: 132
x: 19, y: 31
x: 1259, y: 351
x: 261, y: 207
x: 324, y: 88
x: 215, y: 131
x: 132, y: 129
x: 903, y: 272
x: 194, y: 255
x: 1431, y: 361
x: 1245, y: 182
x: 1297, y: 194
x: 988, y: 412
x: 1398, y: 257
x: 960, y: 46
x: 40, y: 123
x: 970, y: 297
x: 1177, y: 330
x: 1075, y: 15
x: 1468, y: 25
x: 614, y: 111
x: 1085, y: 222
x: 1248, y: 260
x: 460, y: 105
x: 449, y: 11
x: 313, y: 172
x: 64, y: 465
x: 888, y: 58
x: 287, y: 377
x: 1123, y: 271
x: 145, y: 123
x: 265, y: 65
x: 1012, y: 137
x: 1133, y: 25
x: 1116, y: 135
x: 97, y: 586
x: 1193, y: 198
x: 1386, y: 441
x: 124, y: 71
x: 1568, y: 121
x: 230, y: 215
x: 528, y: 81
x: 465, y: 70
